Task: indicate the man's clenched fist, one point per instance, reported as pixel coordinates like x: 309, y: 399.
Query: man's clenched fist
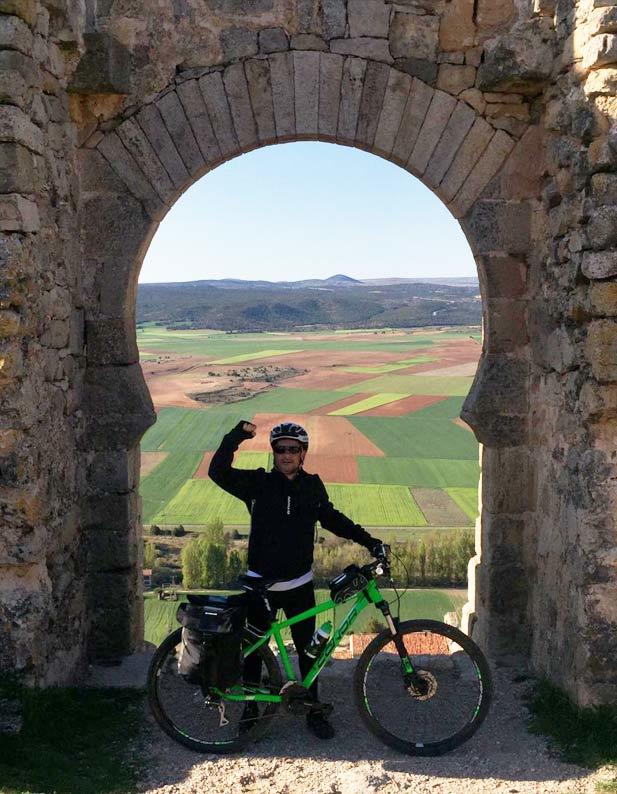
x: 249, y: 428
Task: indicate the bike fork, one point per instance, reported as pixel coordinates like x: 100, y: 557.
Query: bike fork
x: 411, y: 678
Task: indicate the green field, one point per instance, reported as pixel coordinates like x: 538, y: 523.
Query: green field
x: 416, y: 436
x: 451, y: 386
x: 364, y: 405
x: 160, y: 616
x: 466, y: 499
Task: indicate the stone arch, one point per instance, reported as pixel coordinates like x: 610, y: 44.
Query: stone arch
x: 137, y: 170
x: 75, y: 219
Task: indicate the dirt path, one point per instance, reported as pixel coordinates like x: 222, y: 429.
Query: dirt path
x: 502, y: 758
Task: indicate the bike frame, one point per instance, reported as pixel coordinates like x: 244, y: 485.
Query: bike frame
x: 367, y: 596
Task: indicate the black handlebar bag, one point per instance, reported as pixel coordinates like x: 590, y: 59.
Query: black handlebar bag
x: 211, y: 650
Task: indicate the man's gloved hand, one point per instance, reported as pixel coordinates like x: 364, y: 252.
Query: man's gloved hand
x: 245, y: 430
x: 378, y: 548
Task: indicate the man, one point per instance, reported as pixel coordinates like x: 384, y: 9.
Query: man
x: 284, y: 505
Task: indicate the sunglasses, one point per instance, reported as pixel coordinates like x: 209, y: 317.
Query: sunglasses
x: 281, y: 449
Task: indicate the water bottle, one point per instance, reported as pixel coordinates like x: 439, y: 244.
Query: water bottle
x: 319, y: 639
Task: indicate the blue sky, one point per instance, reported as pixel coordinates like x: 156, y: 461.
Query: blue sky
x: 307, y: 210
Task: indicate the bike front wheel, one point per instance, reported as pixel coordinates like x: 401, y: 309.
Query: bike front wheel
x: 452, y: 703
x: 201, y: 720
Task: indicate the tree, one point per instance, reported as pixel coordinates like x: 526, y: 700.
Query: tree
x: 235, y: 566
x: 215, y: 565
x: 191, y: 568
x: 155, y: 530
x: 150, y: 556
x: 422, y: 561
x: 179, y: 531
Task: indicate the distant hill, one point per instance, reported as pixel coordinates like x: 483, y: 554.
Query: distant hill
x: 339, y: 301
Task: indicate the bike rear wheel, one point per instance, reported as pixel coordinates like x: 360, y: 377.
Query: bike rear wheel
x: 193, y: 717
x: 457, y: 692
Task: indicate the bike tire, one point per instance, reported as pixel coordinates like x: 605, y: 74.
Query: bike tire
x: 468, y: 665
x: 162, y: 713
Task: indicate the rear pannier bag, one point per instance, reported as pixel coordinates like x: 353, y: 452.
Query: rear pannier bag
x: 211, y: 648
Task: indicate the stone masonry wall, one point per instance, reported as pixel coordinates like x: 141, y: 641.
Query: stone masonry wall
x: 504, y: 108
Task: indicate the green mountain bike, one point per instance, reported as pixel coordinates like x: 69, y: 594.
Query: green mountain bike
x: 421, y: 686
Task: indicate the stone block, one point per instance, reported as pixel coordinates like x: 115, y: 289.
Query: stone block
x: 375, y: 81
x: 334, y: 18
x: 15, y: 34
x: 111, y: 341
x: 273, y: 40
x: 502, y: 276
x: 112, y: 598
x: 109, y: 551
x: 104, y: 68
x: 13, y: 87
x: 604, y: 188
x: 306, y: 90
x: 483, y: 171
x: 330, y: 76
x: 416, y: 107
x: 417, y: 67
x: 260, y: 92
x: 519, y: 62
x: 498, y: 396
x: 172, y: 113
x: 602, y: 156
x: 600, y: 51
x: 16, y: 127
x: 457, y: 28
x: 603, y: 297
x: 602, y: 82
x: 213, y: 92
x: 500, y: 226
x: 510, y: 489
x: 238, y: 43
x: 602, y: 228
x: 18, y: 214
x: 240, y: 8
x: 308, y: 41
x: 237, y: 92
x: 137, y: 143
x: 435, y: 121
x: 603, y: 20
x: 110, y: 512
x: 494, y: 13
x: 522, y: 173
x: 601, y: 349
x: 372, y: 49
x: 496, y: 111
x: 467, y: 156
x: 475, y: 98
x: 392, y: 109
x: 126, y: 168
x: 599, y: 264
x: 506, y: 328
x: 127, y: 414
x: 197, y: 115
x: 368, y: 18
x: 24, y: 9
x: 452, y: 137
x: 117, y: 228
x: 283, y: 95
x: 454, y: 79
x: 451, y: 57
x: 150, y: 120
x: 352, y: 84
x: 414, y: 36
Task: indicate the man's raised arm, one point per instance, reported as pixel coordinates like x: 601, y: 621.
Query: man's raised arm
x: 235, y: 481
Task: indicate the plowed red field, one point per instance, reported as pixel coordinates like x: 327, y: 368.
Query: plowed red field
x: 333, y: 436
x: 342, y: 468
x: 403, y: 407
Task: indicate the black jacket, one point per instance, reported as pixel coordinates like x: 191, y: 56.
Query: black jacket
x: 283, y: 512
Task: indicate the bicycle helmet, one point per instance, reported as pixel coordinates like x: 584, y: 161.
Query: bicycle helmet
x: 289, y: 430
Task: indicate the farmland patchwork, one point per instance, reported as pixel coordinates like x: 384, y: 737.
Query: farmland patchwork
x: 388, y: 445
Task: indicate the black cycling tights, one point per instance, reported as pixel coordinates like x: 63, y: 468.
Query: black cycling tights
x: 292, y: 602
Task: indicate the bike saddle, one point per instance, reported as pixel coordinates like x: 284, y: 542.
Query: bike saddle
x: 257, y: 584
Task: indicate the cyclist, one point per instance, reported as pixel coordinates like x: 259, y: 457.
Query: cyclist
x: 284, y: 505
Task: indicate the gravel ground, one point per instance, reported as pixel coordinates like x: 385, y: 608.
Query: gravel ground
x: 501, y: 757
